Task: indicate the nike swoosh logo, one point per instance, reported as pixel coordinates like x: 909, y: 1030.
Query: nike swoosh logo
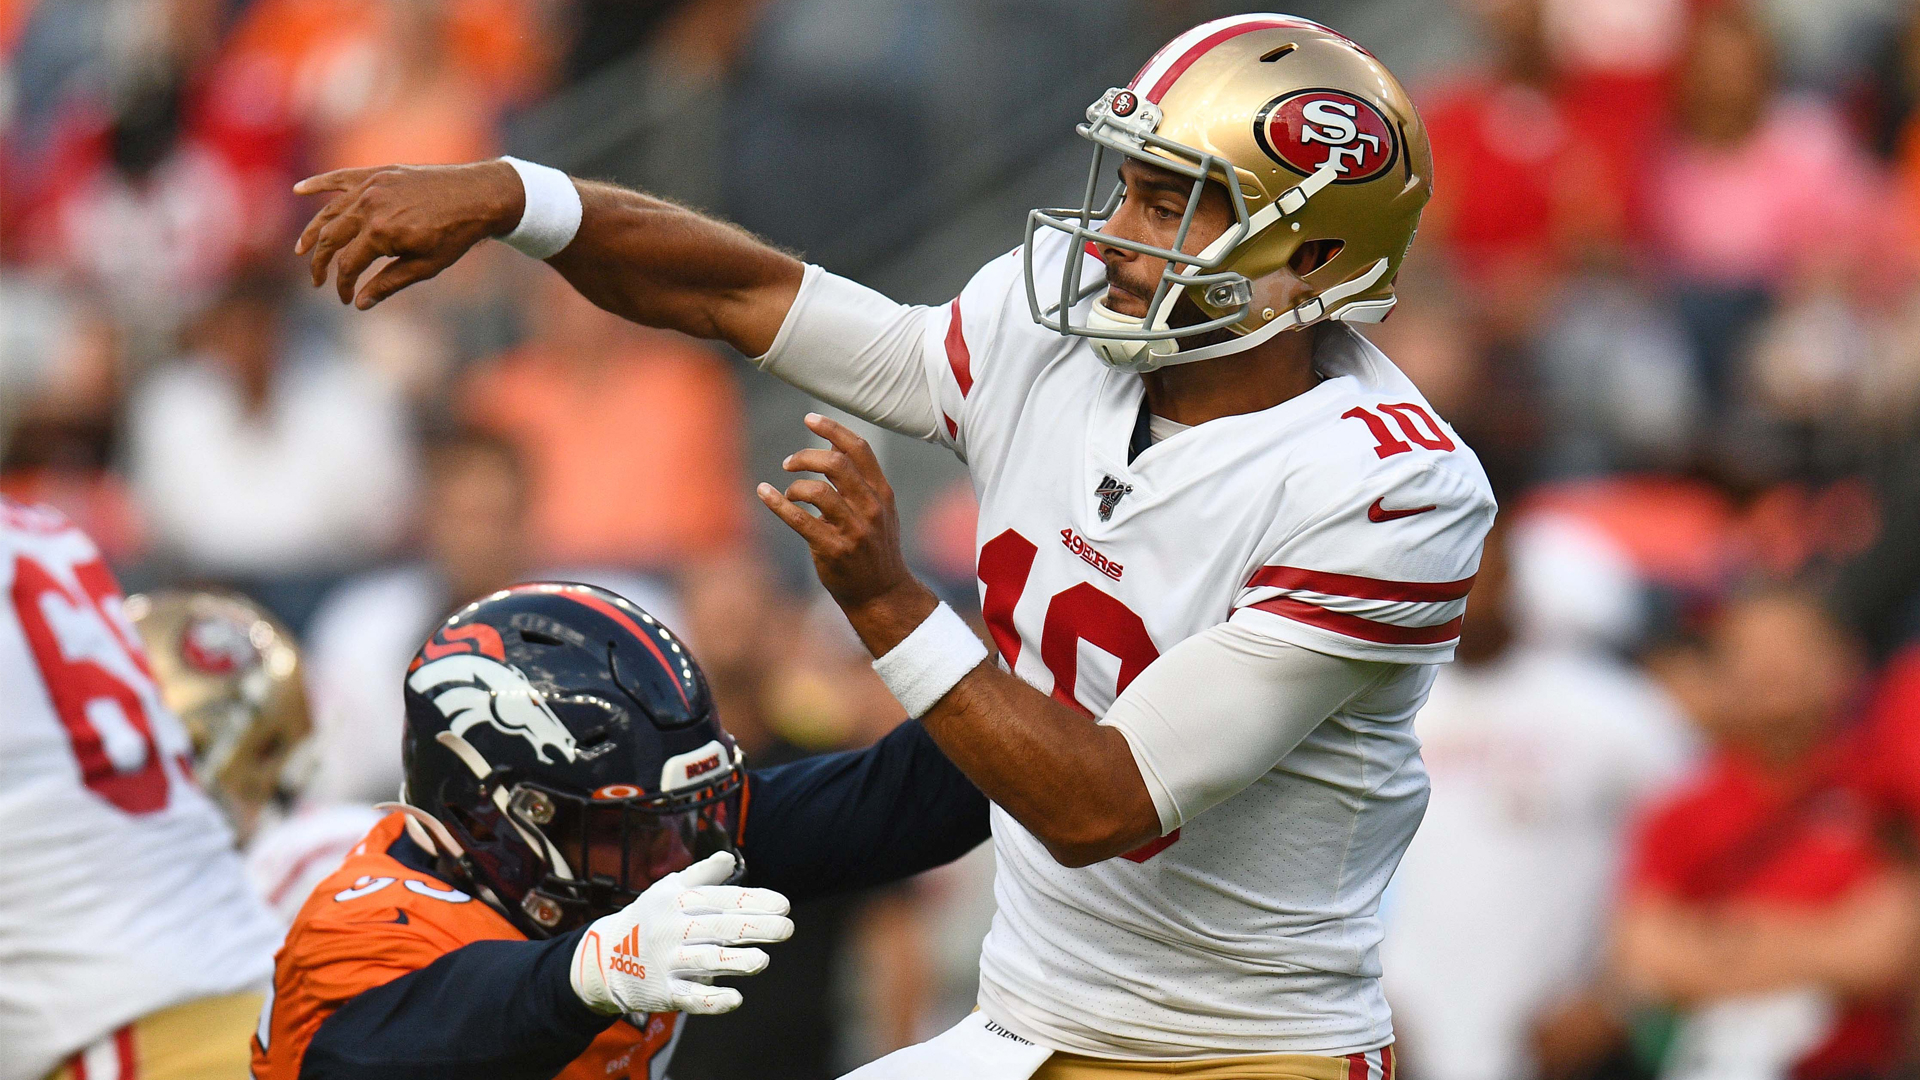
x: 1377, y: 513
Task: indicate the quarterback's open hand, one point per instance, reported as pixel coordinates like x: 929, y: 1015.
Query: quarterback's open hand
x: 422, y: 216
x: 662, y: 952
x: 856, y: 539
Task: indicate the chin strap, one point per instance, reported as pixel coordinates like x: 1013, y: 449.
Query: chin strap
x: 1308, y: 312
x: 425, y: 829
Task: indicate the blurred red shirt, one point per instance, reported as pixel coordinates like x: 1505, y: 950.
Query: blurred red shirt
x: 1887, y: 767
x: 1734, y: 833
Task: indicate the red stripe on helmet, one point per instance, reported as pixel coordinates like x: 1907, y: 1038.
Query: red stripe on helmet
x: 1205, y: 45
x: 589, y: 600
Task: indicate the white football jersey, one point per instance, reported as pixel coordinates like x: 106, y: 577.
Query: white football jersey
x: 287, y: 858
x: 120, y: 891
x: 1347, y: 520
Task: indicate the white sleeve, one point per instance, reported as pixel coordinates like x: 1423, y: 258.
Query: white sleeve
x: 1220, y: 709
x: 1382, y: 573
x: 858, y: 350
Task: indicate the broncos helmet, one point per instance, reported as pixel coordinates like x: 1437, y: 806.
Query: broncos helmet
x: 562, y: 750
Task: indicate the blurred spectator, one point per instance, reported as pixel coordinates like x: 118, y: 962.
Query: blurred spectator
x: 1540, y: 752
x: 424, y: 110
x: 416, y: 81
x: 1756, y: 191
x: 1437, y: 338
x: 632, y: 435
x: 740, y: 623
x: 1520, y: 188
x: 262, y: 456
x: 59, y: 420
x: 1760, y: 903
x: 150, y: 204
x: 1878, y: 593
x: 1618, y: 379
x: 472, y: 526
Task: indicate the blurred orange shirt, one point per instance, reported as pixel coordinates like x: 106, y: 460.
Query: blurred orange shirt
x: 634, y: 460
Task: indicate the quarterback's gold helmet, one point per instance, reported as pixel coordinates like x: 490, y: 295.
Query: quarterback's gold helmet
x: 230, y: 671
x: 1312, y: 140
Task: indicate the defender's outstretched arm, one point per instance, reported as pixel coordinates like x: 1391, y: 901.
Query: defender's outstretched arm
x: 642, y: 258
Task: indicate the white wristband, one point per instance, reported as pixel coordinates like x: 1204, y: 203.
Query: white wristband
x: 552, y: 215
x: 923, y: 667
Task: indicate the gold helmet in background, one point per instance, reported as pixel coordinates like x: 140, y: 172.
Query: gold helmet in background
x: 1312, y: 139
x: 231, y: 672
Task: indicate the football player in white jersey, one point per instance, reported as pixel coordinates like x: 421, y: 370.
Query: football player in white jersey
x: 233, y: 674
x: 130, y: 942
x: 1223, y: 541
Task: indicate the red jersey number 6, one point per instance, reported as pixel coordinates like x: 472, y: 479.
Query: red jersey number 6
x: 105, y: 720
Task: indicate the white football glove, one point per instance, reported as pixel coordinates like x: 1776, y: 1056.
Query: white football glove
x: 659, y: 953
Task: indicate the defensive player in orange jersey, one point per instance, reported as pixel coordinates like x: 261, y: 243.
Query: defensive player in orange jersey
x: 563, y: 877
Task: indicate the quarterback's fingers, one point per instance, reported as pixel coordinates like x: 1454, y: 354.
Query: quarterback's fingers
x: 823, y: 497
x: 351, y: 263
x: 397, y: 275
x: 722, y: 899
x: 332, y: 236
x: 857, y: 449
x: 337, y: 180
x: 691, y: 997
x: 838, y: 468
x: 319, y: 221
x: 811, y: 529
x: 710, y: 960
x: 736, y: 929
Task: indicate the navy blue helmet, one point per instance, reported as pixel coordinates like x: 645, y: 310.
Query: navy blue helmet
x: 566, y: 743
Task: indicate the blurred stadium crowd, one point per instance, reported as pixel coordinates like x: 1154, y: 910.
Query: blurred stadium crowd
x: 1669, y: 289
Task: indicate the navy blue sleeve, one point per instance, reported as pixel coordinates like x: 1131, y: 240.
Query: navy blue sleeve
x: 504, y: 1010
x: 859, y: 818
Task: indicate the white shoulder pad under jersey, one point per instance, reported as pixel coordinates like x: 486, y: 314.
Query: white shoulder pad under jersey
x: 1378, y: 538
x: 984, y: 350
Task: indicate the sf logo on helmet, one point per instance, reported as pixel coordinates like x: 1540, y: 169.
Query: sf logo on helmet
x: 1308, y: 130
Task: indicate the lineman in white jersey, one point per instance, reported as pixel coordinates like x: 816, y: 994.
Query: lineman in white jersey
x: 1222, y: 539
x: 129, y: 939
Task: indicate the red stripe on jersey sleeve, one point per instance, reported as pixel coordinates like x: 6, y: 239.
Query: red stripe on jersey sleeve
x: 1354, y: 626
x: 953, y: 429
x: 1363, y: 588
x: 958, y: 357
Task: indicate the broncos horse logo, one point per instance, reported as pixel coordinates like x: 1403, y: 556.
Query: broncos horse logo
x: 471, y: 689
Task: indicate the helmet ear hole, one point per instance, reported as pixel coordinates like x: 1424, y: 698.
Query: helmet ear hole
x: 1314, y: 254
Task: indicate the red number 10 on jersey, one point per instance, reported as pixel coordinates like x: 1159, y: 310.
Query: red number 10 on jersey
x: 1077, y: 613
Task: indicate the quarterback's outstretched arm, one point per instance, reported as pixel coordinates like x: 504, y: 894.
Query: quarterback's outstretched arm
x: 642, y: 258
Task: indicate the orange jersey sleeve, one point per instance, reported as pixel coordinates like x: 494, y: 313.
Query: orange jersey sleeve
x: 375, y: 920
